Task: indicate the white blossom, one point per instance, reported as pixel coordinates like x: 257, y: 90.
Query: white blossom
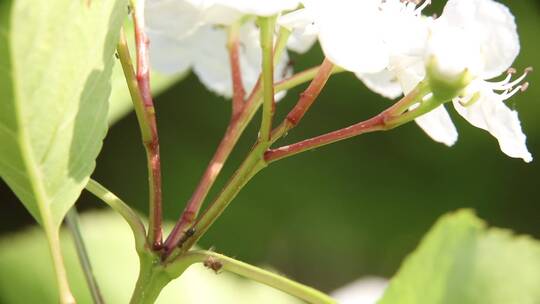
x: 479, y: 37
x: 191, y: 34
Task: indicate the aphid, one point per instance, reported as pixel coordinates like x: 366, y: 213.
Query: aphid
x: 189, y: 233
x: 213, y: 263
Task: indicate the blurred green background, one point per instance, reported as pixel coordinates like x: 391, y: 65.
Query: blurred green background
x: 341, y: 212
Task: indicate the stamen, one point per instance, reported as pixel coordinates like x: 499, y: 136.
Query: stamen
x: 524, y: 87
x: 507, y: 79
x: 505, y: 84
x: 507, y: 95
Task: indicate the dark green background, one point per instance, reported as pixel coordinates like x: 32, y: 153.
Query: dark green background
x: 332, y: 215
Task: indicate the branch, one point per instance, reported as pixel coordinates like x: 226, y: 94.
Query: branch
x: 306, y: 99
x: 72, y: 221
x: 134, y: 222
x: 267, y: 76
x: 386, y: 120
x: 144, y: 106
x: 217, y: 262
x: 233, y: 45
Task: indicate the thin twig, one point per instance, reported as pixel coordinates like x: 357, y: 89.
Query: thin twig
x: 72, y: 221
x: 267, y: 76
x: 133, y: 220
x: 306, y: 99
x: 386, y: 120
x: 219, y: 262
x: 233, y: 45
x: 151, y: 143
x: 237, y: 125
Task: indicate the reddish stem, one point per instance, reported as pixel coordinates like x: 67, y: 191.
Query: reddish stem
x: 306, y: 100
x: 151, y: 144
x: 374, y: 124
x: 388, y: 119
x: 236, y: 73
x: 212, y: 171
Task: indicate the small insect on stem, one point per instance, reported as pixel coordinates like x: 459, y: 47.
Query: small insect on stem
x: 189, y: 233
x: 214, y: 264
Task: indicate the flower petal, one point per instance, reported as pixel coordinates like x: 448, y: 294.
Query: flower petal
x: 491, y: 114
x: 169, y: 55
x: 384, y: 83
x: 303, y: 30
x: 349, y: 33
x: 174, y: 18
x: 212, y: 60
x: 259, y: 7
x: 493, y: 25
x: 438, y: 125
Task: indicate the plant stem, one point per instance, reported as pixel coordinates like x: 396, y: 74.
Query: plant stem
x: 267, y: 25
x: 219, y: 261
x: 251, y: 165
x: 66, y: 297
x: 178, y: 235
x: 306, y: 99
x: 233, y: 45
x: 281, y: 43
x: 152, y: 279
x: 134, y: 222
x: 386, y: 120
x: 146, y: 115
x: 235, y: 129
x: 72, y: 221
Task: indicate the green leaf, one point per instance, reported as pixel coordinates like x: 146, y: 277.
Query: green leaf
x: 56, y: 60
x: 462, y: 261
x: 28, y: 278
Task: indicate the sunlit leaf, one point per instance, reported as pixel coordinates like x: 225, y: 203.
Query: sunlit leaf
x: 56, y: 60
x: 462, y: 261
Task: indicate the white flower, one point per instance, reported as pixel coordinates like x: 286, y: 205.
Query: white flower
x: 477, y: 36
x: 480, y: 37
x: 259, y: 7
x: 347, y: 30
x: 191, y: 34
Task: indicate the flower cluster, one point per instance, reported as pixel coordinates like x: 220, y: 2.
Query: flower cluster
x: 388, y: 44
x: 192, y: 34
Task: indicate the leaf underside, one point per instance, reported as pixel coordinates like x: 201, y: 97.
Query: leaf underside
x: 56, y: 60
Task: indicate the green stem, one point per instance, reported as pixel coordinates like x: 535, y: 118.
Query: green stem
x: 253, y: 163
x: 235, y: 129
x: 133, y: 220
x: 218, y: 261
x: 281, y: 43
x: 267, y: 76
x: 66, y: 297
x: 139, y: 87
x: 72, y: 221
x: 152, y: 279
x: 390, y: 118
x: 302, y: 77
